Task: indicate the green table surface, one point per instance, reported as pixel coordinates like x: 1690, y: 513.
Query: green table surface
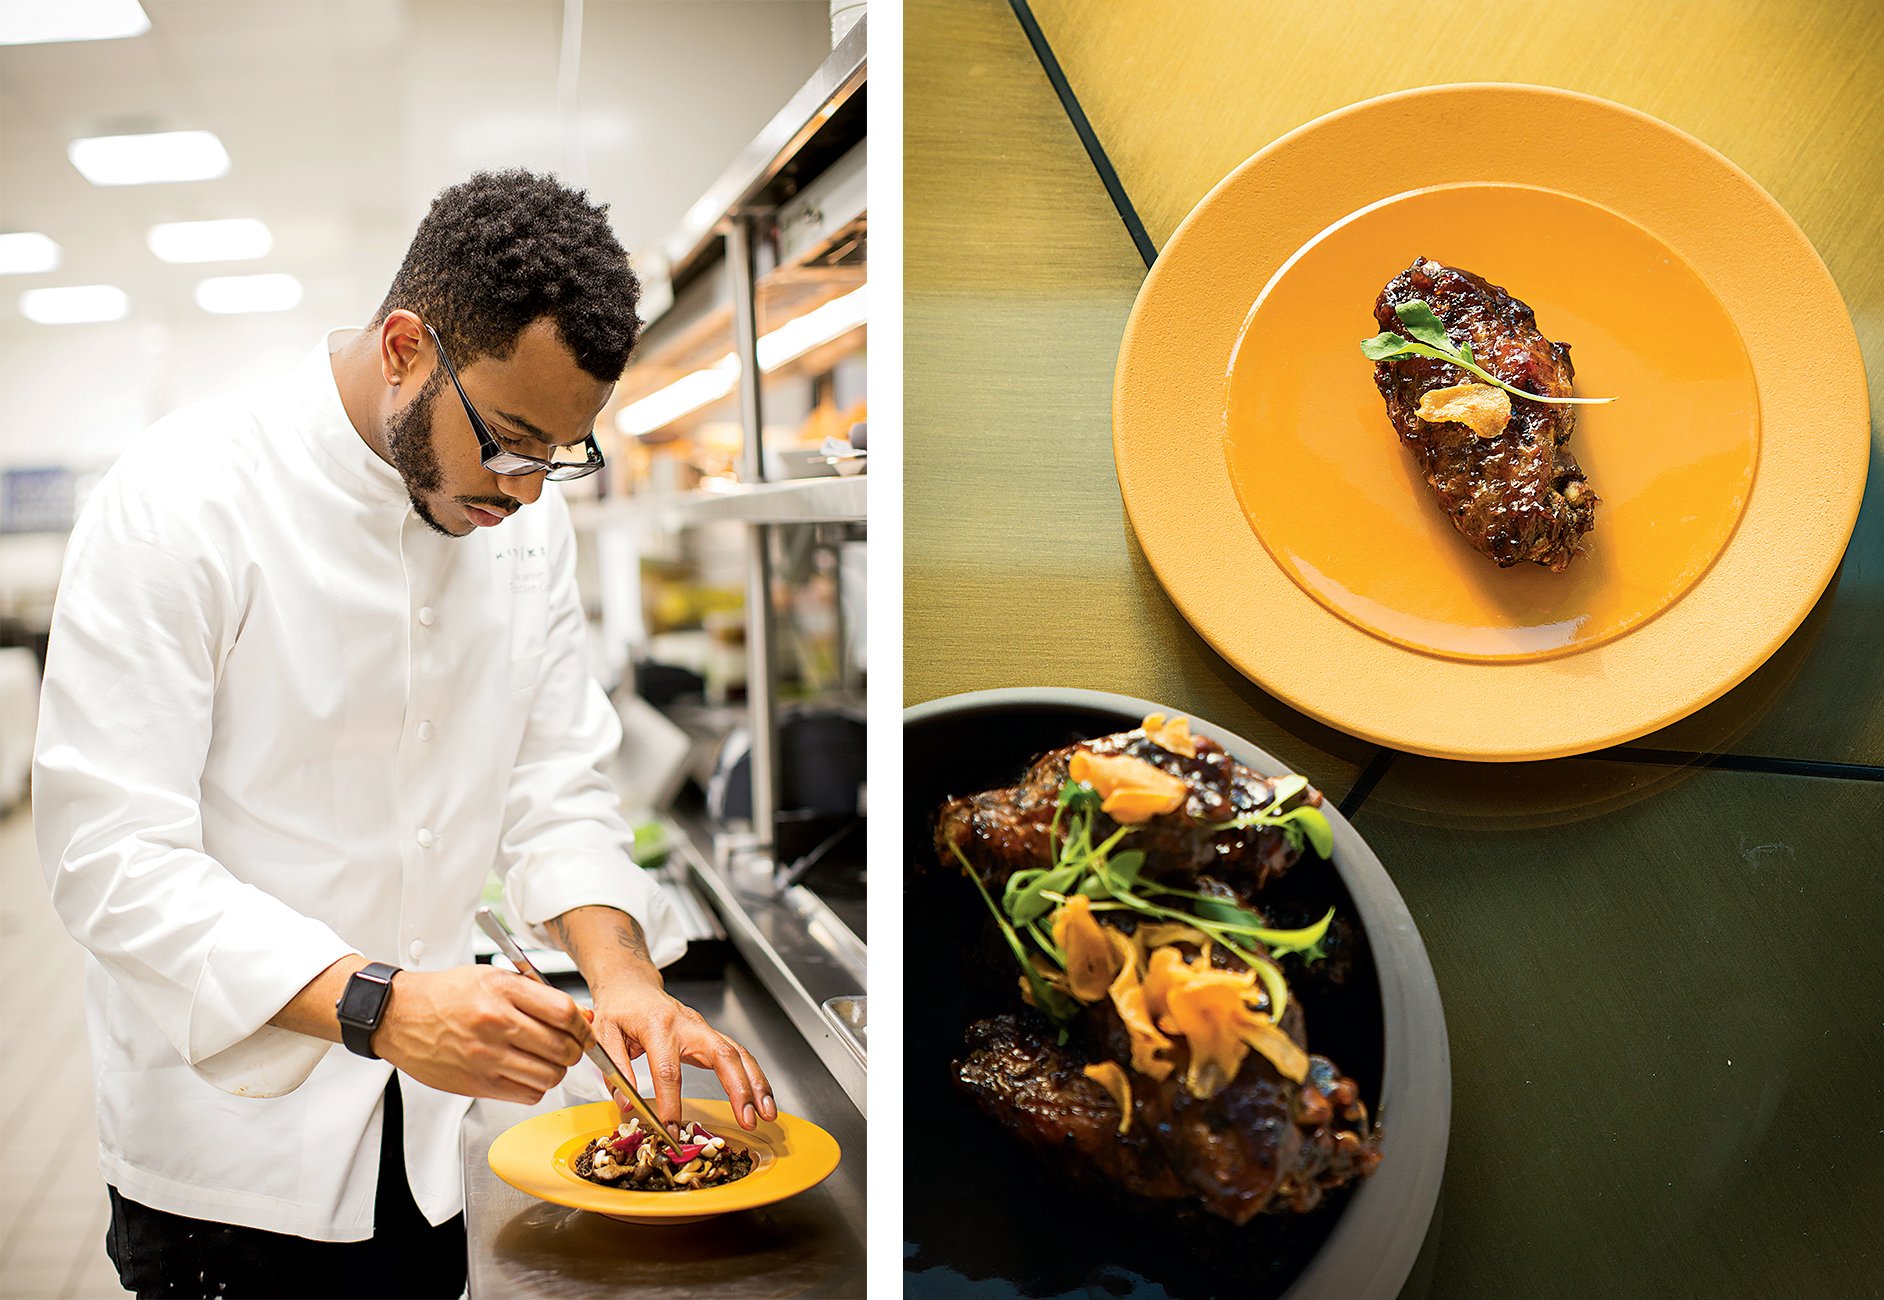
x: 1663, y: 964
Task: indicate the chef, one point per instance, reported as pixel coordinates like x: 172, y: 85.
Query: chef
x: 317, y: 669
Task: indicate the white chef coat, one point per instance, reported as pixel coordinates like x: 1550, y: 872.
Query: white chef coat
x: 284, y: 721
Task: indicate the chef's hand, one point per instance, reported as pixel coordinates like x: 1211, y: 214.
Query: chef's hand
x: 481, y: 1032
x: 635, y: 1018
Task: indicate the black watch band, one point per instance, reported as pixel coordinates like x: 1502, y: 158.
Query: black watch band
x: 362, y: 1004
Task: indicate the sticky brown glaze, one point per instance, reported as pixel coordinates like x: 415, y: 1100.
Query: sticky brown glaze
x: 1516, y: 497
x: 1261, y: 1145
x: 1008, y: 830
x: 1040, y: 1094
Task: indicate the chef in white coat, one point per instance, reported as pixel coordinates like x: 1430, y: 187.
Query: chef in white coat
x: 316, y: 669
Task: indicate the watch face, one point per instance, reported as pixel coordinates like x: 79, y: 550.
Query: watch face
x: 362, y: 1000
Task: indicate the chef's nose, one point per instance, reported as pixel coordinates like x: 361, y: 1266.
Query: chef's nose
x: 522, y: 488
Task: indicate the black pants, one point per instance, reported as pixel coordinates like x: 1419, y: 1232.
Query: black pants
x: 158, y: 1254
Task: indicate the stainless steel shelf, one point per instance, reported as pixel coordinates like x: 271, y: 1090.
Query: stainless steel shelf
x: 807, y: 958
x: 792, y: 501
x: 744, y: 183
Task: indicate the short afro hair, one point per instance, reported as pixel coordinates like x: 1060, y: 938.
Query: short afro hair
x: 502, y: 249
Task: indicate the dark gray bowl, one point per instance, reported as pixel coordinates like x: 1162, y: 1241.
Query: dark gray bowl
x: 981, y: 1218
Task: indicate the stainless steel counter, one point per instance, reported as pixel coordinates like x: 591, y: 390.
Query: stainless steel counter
x: 810, y: 1245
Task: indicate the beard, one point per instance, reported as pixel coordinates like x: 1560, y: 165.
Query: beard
x: 409, y: 443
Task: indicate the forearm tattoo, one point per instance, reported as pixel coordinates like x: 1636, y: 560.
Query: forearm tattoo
x: 630, y: 938
x: 627, y: 933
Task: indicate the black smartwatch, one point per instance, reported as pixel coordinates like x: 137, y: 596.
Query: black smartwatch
x: 362, y: 1004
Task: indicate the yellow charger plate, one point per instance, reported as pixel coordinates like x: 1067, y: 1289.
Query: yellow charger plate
x: 1291, y: 529
x: 538, y: 1156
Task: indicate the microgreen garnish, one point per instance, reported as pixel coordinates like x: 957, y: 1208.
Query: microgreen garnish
x: 1299, y: 824
x: 1111, y: 880
x: 1430, y: 340
x: 1050, y: 1000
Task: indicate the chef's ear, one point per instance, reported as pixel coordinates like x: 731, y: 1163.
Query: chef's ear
x: 403, y: 348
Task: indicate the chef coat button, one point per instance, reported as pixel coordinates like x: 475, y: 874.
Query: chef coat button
x: 425, y: 615
x: 425, y: 730
x: 416, y: 949
x: 425, y: 838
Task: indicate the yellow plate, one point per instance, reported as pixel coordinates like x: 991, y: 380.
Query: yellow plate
x: 1273, y: 501
x: 538, y: 1156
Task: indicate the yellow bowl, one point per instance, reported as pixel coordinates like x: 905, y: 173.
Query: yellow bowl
x: 538, y: 1156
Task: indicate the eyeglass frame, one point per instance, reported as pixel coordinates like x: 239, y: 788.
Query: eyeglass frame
x: 489, y: 449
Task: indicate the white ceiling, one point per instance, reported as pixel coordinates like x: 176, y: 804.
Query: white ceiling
x: 342, y: 119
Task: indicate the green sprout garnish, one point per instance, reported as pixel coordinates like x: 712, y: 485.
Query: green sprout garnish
x: 1430, y: 340
x: 1058, y: 1007
x: 1296, y: 824
x: 1111, y: 880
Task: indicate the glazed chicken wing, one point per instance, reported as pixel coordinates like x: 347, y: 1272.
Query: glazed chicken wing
x: 1516, y: 495
x: 1131, y: 1083
x: 1004, y: 831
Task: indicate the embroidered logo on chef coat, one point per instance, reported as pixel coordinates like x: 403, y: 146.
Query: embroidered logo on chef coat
x: 529, y: 567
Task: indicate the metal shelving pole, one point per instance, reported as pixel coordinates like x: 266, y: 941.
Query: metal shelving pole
x: 761, y: 680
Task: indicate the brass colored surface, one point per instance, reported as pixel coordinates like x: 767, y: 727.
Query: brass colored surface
x: 1019, y: 569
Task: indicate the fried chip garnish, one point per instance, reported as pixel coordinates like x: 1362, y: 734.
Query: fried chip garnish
x: 1131, y: 789
x: 1128, y: 999
x: 1092, y: 958
x: 1173, y: 736
x: 1209, y: 1015
x: 1216, y: 1013
x: 1479, y: 407
x: 1109, y: 1076
x: 1266, y: 1036
x: 1152, y: 935
x: 1164, y: 970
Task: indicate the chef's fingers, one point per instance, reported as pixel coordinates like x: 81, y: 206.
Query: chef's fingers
x: 723, y: 1056
x: 622, y: 1052
x: 553, y: 1007
x: 526, y: 1078
x: 761, y: 1086
x: 534, y: 1038
x: 664, y: 1068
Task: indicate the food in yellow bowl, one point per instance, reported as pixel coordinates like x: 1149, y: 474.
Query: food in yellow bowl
x: 626, y: 1159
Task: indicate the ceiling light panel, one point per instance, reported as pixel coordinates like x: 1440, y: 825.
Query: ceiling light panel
x: 152, y: 159
x: 75, y: 305
x: 231, y: 295
x: 235, y: 240
x: 40, y: 22
x: 27, y: 252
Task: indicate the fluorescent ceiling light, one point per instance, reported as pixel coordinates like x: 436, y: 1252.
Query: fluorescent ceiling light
x: 26, y: 252
x: 234, y: 240
x: 688, y: 393
x: 149, y: 159
x: 798, y: 336
x: 229, y: 295
x: 37, y: 22
x: 792, y: 339
x: 75, y: 305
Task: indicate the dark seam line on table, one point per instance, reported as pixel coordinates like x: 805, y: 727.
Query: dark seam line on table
x: 1070, y: 102
x: 1744, y: 763
x: 1364, y: 783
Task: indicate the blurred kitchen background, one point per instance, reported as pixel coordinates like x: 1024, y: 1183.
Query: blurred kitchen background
x: 193, y: 191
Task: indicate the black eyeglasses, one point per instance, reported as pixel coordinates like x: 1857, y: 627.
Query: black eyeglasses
x: 513, y: 464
